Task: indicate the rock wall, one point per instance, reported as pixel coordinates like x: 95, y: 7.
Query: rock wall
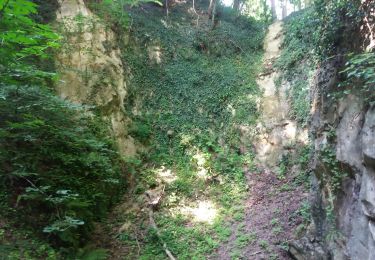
x: 340, y: 126
x: 343, y: 220
x: 90, y: 68
x: 348, y: 128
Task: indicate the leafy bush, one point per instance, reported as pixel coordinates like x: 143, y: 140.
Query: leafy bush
x: 59, y: 170
x: 57, y: 163
x: 298, y: 43
x: 23, y: 41
x: 141, y: 130
x: 335, y: 20
x: 360, y: 71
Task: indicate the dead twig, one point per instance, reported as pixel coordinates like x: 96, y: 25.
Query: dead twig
x: 236, y: 45
x: 139, y: 247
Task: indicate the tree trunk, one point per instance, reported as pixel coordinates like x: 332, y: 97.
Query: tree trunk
x: 166, y: 7
x: 236, y: 5
x: 273, y: 9
x: 211, y: 8
x: 284, y: 11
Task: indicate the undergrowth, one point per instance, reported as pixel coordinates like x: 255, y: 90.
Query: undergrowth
x: 193, y: 87
x: 316, y: 35
x: 297, y: 62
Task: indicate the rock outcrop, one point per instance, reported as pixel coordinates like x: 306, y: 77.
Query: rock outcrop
x: 90, y: 68
x: 344, y: 219
x: 343, y: 225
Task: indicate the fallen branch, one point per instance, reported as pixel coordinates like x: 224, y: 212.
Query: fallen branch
x: 253, y: 254
x: 266, y: 73
x: 153, y: 224
x: 152, y: 203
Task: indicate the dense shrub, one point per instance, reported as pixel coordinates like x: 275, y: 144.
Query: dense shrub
x: 57, y: 164
x: 58, y: 168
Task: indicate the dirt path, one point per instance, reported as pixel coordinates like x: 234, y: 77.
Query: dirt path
x: 270, y: 211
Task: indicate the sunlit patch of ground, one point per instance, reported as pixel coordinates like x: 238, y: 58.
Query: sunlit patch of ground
x: 165, y: 174
x: 205, y: 211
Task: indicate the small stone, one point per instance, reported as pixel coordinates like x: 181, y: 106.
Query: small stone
x: 170, y: 133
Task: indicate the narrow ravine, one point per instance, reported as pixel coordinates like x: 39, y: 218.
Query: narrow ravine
x: 220, y: 130
x: 274, y: 200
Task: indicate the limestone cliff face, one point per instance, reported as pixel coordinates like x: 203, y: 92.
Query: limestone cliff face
x: 344, y: 220
x: 347, y: 127
x: 90, y: 68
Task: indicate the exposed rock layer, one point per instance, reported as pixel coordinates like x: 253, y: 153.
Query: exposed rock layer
x: 90, y: 68
x: 348, y: 128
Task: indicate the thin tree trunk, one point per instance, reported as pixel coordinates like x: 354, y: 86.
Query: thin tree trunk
x: 273, y: 9
x: 166, y: 7
x: 284, y: 11
x: 195, y: 11
x: 214, y: 22
x: 236, y: 5
x: 211, y: 8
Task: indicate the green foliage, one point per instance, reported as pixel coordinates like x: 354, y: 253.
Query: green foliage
x: 116, y: 11
x: 264, y: 244
x: 243, y: 240
x: 316, y: 32
x: 297, y: 61
x: 58, y: 165
x: 22, y: 243
x: 305, y: 212
x: 201, y: 76
x: 333, y: 171
x: 303, y: 159
x: 334, y: 21
x: 47, y: 10
x: 258, y: 9
x: 141, y: 129
x: 360, y: 73
x: 186, y: 242
x: 22, y: 39
x: 283, y: 166
x: 339, y: 20
x: 88, y: 253
x: 298, y: 43
x: 195, y: 86
x: 311, y: 36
